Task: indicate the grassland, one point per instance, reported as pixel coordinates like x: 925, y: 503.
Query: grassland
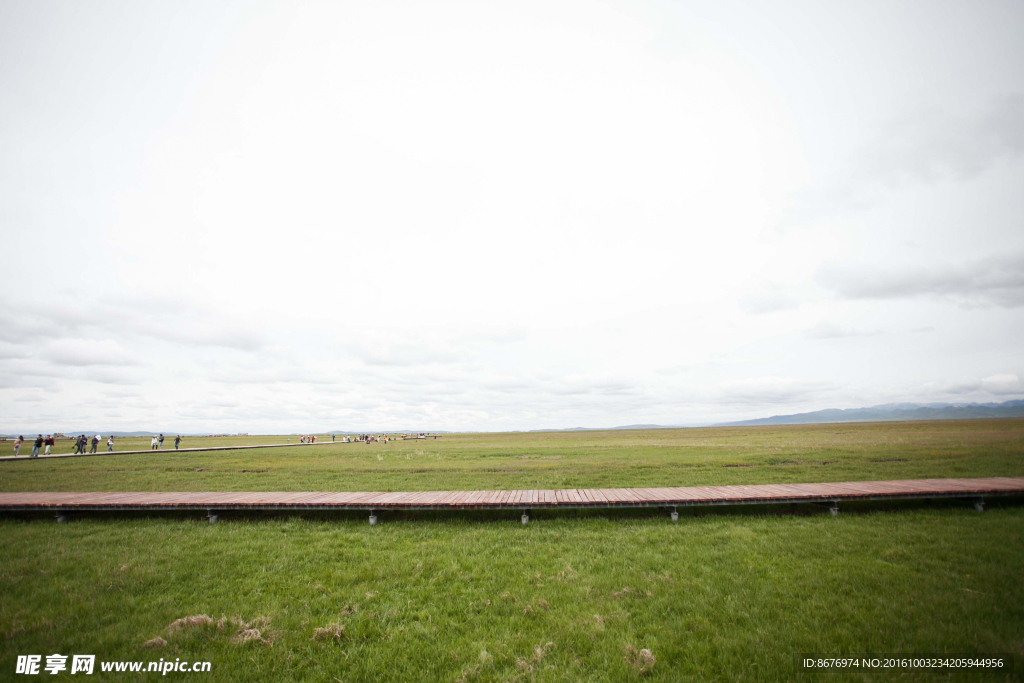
x: 677, y: 457
x: 722, y: 595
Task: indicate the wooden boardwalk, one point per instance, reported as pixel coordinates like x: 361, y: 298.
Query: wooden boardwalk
x: 830, y: 494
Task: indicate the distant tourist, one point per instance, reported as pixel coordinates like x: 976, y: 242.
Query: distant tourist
x: 36, y: 446
x: 161, y: 445
x: 332, y: 438
x: 110, y: 444
x: 49, y: 442
x: 17, y: 445
x: 95, y: 443
x: 154, y: 444
x: 177, y: 440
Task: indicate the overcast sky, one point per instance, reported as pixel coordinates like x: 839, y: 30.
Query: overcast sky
x: 296, y: 216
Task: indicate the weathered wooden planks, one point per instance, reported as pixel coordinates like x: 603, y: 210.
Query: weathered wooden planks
x: 524, y: 499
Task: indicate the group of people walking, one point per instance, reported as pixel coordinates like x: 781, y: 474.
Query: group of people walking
x: 366, y: 438
x: 158, y: 442
x: 83, y: 442
x: 43, y: 444
x: 371, y: 438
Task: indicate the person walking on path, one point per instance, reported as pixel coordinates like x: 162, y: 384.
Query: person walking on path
x: 49, y: 442
x: 95, y: 443
x: 161, y: 442
x: 81, y: 445
x: 153, y: 444
x: 36, y: 446
x: 177, y: 440
x: 110, y: 444
x: 17, y: 445
x: 332, y: 438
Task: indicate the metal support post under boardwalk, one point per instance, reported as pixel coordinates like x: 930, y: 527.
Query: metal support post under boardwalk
x: 526, y: 517
x: 675, y: 514
x: 373, y: 518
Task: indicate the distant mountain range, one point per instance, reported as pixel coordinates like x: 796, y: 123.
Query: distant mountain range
x: 893, y: 412
x: 889, y: 412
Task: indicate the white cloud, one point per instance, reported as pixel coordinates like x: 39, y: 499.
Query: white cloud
x: 1002, y: 384
x: 768, y: 300
x: 481, y: 216
x: 771, y: 390
x: 997, y: 280
x: 930, y: 148
x: 86, y: 352
x: 828, y: 329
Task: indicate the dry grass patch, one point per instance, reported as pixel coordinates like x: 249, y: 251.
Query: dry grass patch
x: 245, y: 631
x: 641, y: 661
x: 154, y: 642
x: 486, y: 660
x: 528, y: 666
x: 189, y: 622
x: 329, y: 632
x: 249, y: 635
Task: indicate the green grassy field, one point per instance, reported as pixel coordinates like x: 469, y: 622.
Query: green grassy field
x: 725, y: 594
x: 670, y: 457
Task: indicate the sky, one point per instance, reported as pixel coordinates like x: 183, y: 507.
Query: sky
x: 274, y: 217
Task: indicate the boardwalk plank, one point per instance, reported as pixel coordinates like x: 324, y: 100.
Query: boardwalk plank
x: 809, y: 492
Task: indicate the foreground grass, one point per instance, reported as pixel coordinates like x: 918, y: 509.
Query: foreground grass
x: 723, y: 594
x: 668, y: 457
x: 716, y: 596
